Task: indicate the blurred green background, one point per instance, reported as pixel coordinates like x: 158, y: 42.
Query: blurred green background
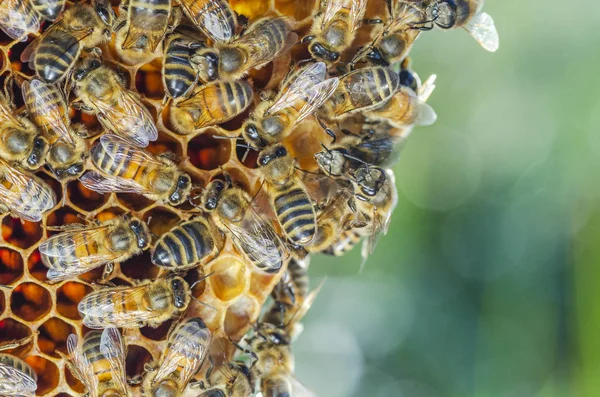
x: 487, y: 283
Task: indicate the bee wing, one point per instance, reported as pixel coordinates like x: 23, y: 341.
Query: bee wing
x: 109, y: 184
x: 331, y: 8
x: 78, y: 34
x: 317, y: 96
x: 14, y: 382
x: 143, y: 21
x: 262, y: 51
x: 27, y: 191
x: 37, y: 95
x: 97, y: 305
x: 357, y: 12
x: 256, y: 238
x: 64, y: 247
x: 17, y: 19
x: 113, y: 348
x: 120, y: 150
x: 186, y: 350
x: 129, y: 118
x: 482, y: 28
x: 7, y: 115
x: 216, y: 18
x: 81, y: 366
x: 307, y: 78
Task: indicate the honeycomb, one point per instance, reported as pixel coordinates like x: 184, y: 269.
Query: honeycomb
x: 235, y: 292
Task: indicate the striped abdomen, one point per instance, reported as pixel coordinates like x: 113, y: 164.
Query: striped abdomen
x: 35, y: 197
x: 295, y: 213
x: 365, y: 89
x: 204, y: 13
x: 56, y: 55
x: 47, y: 102
x: 266, y: 40
x: 144, y: 35
x: 17, y: 364
x: 100, y: 364
x: 348, y: 239
x: 402, y: 109
x: 299, y: 278
x: 184, y: 245
x: 195, y: 330
x: 87, y: 249
x: 222, y: 101
x: 48, y: 9
x: 123, y: 167
x: 178, y: 72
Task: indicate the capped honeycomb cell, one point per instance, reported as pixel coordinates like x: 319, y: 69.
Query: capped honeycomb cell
x: 47, y: 374
x: 52, y: 336
x: 229, y: 277
x: 68, y: 297
x: 30, y: 301
x: 11, y: 265
x: 240, y: 315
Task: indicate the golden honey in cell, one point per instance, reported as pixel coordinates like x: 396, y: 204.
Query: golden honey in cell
x: 293, y: 207
x: 178, y: 73
x: 189, y: 244
x: 263, y: 41
x: 99, y: 362
x: 186, y: 349
x: 18, y: 19
x: 125, y: 168
x: 361, y: 90
x: 16, y: 377
x: 151, y: 303
x: 334, y: 28
x: 20, y: 141
x: 80, y: 249
x: 100, y: 91
x: 298, y: 98
x: 23, y: 194
x: 210, y: 104
x: 232, y: 211
x: 82, y: 26
x: 47, y: 107
x: 214, y: 18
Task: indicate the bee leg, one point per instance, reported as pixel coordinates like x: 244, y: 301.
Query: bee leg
x: 328, y: 130
x: 136, y: 380
x: 243, y: 21
x: 307, y: 39
x: 108, y: 269
x: 249, y: 352
x: 78, y: 105
x: 209, y: 371
x: 374, y: 21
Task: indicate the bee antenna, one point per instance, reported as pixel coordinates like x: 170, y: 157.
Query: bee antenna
x: 201, y: 280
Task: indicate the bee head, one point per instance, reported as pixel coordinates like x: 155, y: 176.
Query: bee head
x: 320, y: 52
x: 88, y: 65
x: 38, y: 152
x: 180, y: 291
x: 182, y: 189
x: 142, y: 234
x: 64, y: 160
x: 370, y: 180
x: 444, y: 13
x: 106, y: 14
x: 252, y: 135
x: 377, y: 58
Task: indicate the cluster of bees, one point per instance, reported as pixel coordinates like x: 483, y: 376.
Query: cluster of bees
x: 365, y: 101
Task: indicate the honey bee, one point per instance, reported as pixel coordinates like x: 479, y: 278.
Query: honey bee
x: 289, y: 199
x: 210, y: 104
x: 178, y: 73
x: 466, y: 14
x: 361, y: 90
x: 333, y: 215
x: 306, y: 91
x: 186, y: 349
x: 20, y: 141
x: 101, y: 92
x: 48, y: 108
x: 99, y: 362
x: 187, y: 245
x: 16, y: 377
x: 231, y: 379
x: 334, y: 28
x: 81, y: 249
x: 124, y: 168
x: 214, y: 18
x: 80, y: 27
x: 264, y: 40
x: 147, y: 303
x: 232, y: 211
x: 23, y: 194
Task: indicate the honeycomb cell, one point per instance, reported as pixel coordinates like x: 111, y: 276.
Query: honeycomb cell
x: 166, y: 147
x: 64, y: 216
x: 239, y: 316
x: 90, y: 121
x: 148, y: 81
x: 30, y: 301
x: 236, y: 123
x: 68, y: 297
x: 251, y: 9
x: 159, y: 333
x: 207, y: 151
x: 134, y: 201
x: 160, y: 220
x: 297, y: 9
x: 63, y: 395
x: 47, y: 373
x: 11, y: 266
x: 74, y: 383
x: 229, y: 277
x: 247, y: 156
x: 137, y: 356
x: 2, y: 303
x: 53, y: 335
x: 139, y: 267
x: 24, y: 234
x: 84, y: 198
x: 11, y: 330
x: 16, y: 65
x: 36, y: 267
x: 192, y: 278
x: 109, y: 213
x: 54, y: 184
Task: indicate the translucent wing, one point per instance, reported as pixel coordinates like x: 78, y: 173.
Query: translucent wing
x: 128, y: 118
x: 357, y: 12
x: 332, y: 7
x: 121, y: 150
x: 81, y: 366
x: 55, y: 34
x: 17, y: 19
x: 28, y: 196
x: 259, y: 43
x: 427, y: 88
x: 482, y: 28
x: 186, y: 350
x: 297, y: 89
x: 48, y: 113
x: 7, y: 114
x: 113, y: 348
x: 66, y: 250
x: 256, y: 238
x: 145, y: 22
x: 214, y: 18
x: 15, y: 383
x: 96, y: 306
x: 317, y: 96
x: 110, y: 184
